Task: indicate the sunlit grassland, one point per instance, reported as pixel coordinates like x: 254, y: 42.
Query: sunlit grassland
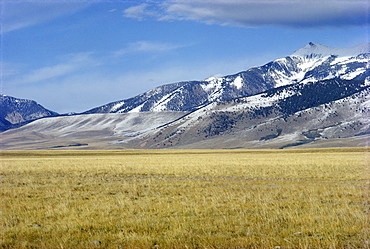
x: 185, y: 199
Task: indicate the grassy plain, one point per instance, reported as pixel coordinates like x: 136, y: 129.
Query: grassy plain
x: 317, y: 198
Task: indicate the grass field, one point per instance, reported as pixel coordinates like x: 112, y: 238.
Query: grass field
x: 315, y: 198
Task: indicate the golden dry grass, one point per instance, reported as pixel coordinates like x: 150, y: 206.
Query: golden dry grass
x: 185, y: 199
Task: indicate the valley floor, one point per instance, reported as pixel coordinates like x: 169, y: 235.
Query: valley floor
x: 312, y: 198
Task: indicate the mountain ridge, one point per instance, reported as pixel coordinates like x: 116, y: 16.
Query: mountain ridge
x: 318, y: 96
x: 15, y: 112
x: 265, y: 120
x: 303, y: 65
x: 318, y: 49
x: 340, y: 115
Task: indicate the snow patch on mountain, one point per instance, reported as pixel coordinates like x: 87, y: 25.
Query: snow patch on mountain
x: 213, y: 88
x: 238, y: 82
x: 353, y: 74
x: 214, y: 84
x: 161, y: 105
x: 305, y: 64
x: 259, y: 101
x: 136, y: 109
x: 117, y: 106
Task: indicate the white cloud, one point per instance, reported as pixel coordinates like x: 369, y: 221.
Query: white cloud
x: 147, y: 47
x: 70, y: 64
x: 20, y: 14
x: 139, y: 12
x: 253, y: 13
x: 8, y: 69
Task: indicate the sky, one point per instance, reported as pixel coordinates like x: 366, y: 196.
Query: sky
x: 74, y: 55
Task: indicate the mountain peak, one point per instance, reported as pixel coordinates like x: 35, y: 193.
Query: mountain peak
x: 318, y: 50
x: 14, y: 111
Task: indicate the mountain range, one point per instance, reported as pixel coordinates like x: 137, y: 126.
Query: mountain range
x: 16, y: 112
x: 310, y: 63
x: 316, y: 97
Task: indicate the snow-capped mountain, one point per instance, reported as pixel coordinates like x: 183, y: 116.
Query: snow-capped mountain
x: 318, y: 96
x: 313, y: 62
x: 17, y: 111
x: 327, y: 113
x: 281, y: 117
x: 318, y: 50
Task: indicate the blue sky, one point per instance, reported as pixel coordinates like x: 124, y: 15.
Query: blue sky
x: 71, y: 56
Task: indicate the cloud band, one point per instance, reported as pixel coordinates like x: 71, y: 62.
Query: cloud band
x: 252, y: 13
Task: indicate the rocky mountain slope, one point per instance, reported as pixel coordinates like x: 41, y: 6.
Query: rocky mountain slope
x: 282, y: 117
x: 327, y: 113
x: 311, y: 63
x: 316, y: 97
x: 15, y: 112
